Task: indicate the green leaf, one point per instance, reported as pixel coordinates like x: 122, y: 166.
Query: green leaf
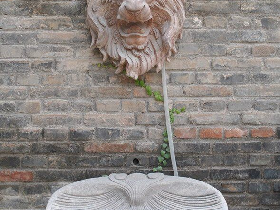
x: 167, y: 149
x: 164, y: 145
x: 160, y: 159
x: 137, y: 82
x: 162, y: 152
x: 159, y: 168
x: 183, y: 109
x: 149, y: 90
x: 165, y: 140
x: 154, y: 169
x: 165, y: 133
x: 167, y: 155
x: 164, y: 162
x: 99, y: 65
x: 178, y: 111
x: 142, y: 83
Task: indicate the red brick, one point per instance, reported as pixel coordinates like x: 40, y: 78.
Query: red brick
x: 262, y: 133
x: 235, y: 133
x: 110, y: 148
x: 16, y: 176
x: 211, y: 133
x: 185, y: 133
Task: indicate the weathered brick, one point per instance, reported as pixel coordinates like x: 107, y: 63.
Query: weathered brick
x: 14, y: 121
x: 260, y: 7
x: 185, y: 133
x: 7, y: 107
x: 247, y: 36
x: 13, y: 38
x: 260, y: 160
x: 212, y: 106
x: 238, y: 174
x: 215, y: 22
x: 257, y: 90
x: 108, y: 120
x: 262, y: 132
x: 193, y: 22
x: 206, y: 91
x: 235, y: 133
x: 225, y: 148
x: 149, y: 119
x: 34, y: 162
x: 215, y: 118
x: 55, y: 134
x: 241, y: 22
x: 265, y: 106
x: 14, y: 66
x: 261, y: 119
x: 233, y: 160
x: 146, y: 147
x: 155, y: 133
x: 55, y: 148
x: 8, y: 134
x: 56, y: 105
x: 192, y: 147
x: 271, y: 173
x: 270, y: 199
x: 208, y: 78
x: 270, y: 23
x: 15, y: 148
x: 9, y: 190
x: 188, y: 63
x: 56, y: 119
x: 12, y: 51
x: 16, y: 176
x: 9, y: 162
x: 28, y: 80
x: 83, y: 106
x: 133, y: 134
x: 245, y: 200
x: 108, y: 105
x: 61, y: 8
x: 43, y: 65
x: 214, y: 7
x: 109, y: 148
x: 188, y: 104
x: 211, y: 160
x: 29, y: 107
x: 182, y: 78
x: 239, y: 50
x: 272, y: 62
x: 78, y: 134
x: 263, y: 51
x: 231, y: 187
x: 33, y: 189
x: 62, y: 37
x: 233, y: 79
x: 133, y: 106
x: 107, y: 133
x: 248, y: 147
x: 229, y: 63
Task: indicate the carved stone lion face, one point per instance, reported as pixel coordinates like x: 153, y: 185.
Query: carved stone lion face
x: 136, y: 34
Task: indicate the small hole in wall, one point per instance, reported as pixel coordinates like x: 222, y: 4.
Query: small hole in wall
x: 136, y: 161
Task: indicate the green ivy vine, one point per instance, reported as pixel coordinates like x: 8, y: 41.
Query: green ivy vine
x: 165, y: 150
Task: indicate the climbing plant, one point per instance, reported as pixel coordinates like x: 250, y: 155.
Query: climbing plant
x: 165, y: 150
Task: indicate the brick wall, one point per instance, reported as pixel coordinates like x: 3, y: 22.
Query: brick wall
x: 64, y: 119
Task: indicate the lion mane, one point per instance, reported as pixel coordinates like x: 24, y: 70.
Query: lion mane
x: 136, y: 35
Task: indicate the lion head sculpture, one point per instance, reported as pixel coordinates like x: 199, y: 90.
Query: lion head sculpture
x: 136, y: 35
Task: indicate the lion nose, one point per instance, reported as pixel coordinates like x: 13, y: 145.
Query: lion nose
x: 134, y: 5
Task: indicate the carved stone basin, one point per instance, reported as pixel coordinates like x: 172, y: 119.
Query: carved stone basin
x: 138, y: 192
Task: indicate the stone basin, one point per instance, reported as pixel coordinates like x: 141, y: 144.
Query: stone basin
x: 137, y: 191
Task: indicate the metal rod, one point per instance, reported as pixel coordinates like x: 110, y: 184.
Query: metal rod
x: 168, y: 124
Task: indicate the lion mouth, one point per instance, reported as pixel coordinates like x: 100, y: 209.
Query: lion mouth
x: 141, y: 29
